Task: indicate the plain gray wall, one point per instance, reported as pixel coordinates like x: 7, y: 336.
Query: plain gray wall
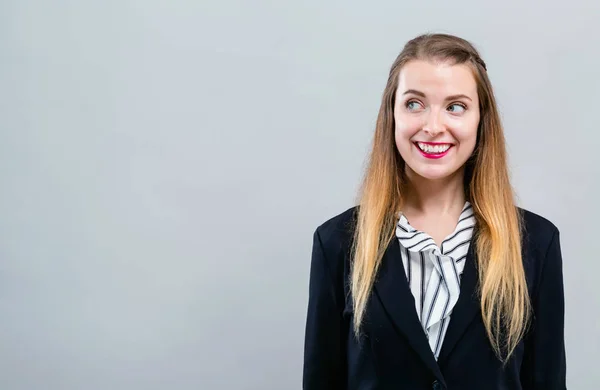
x: 164, y: 164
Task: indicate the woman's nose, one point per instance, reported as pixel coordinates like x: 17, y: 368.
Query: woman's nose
x: 434, y: 124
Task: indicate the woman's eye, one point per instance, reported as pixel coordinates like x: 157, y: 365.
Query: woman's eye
x: 412, y: 105
x: 456, y: 108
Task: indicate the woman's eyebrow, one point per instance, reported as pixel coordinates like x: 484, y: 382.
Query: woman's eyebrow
x: 414, y: 92
x: 459, y: 96
x: 451, y: 97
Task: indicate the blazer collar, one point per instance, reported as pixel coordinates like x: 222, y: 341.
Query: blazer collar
x: 393, y: 291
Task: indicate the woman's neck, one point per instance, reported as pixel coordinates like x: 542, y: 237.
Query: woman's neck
x: 435, y: 197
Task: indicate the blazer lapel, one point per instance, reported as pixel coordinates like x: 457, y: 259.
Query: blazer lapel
x: 391, y: 287
x: 465, y: 309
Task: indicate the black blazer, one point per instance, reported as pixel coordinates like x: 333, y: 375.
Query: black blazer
x: 393, y: 352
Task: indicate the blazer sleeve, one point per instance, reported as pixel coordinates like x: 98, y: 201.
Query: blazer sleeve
x: 544, y: 364
x: 324, y: 361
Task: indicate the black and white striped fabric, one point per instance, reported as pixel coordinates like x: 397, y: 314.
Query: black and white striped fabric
x: 434, y: 273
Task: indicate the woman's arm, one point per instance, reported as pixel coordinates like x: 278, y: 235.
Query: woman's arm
x: 544, y: 364
x: 324, y: 361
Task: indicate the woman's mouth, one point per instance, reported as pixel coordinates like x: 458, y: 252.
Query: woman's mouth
x: 433, y: 150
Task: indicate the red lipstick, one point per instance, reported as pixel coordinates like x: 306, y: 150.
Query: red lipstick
x: 433, y: 155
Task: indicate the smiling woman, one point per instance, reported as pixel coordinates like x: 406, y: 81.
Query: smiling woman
x: 469, y: 293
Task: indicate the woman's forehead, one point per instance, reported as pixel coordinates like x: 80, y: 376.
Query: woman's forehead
x: 434, y: 77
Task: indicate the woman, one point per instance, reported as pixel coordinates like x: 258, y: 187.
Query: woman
x: 437, y: 280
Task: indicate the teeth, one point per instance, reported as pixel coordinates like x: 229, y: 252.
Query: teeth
x: 433, y: 149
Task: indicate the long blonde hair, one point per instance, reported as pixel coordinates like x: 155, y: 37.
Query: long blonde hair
x: 505, y: 305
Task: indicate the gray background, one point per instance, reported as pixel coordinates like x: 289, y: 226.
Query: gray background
x: 164, y: 164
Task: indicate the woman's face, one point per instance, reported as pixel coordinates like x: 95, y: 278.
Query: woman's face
x: 436, y: 117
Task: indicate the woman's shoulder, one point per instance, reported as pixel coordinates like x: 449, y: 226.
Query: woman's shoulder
x: 538, y: 231
x: 332, y: 245
x: 336, y: 232
x: 339, y: 225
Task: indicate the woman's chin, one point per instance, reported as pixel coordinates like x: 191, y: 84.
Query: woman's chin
x: 431, y: 172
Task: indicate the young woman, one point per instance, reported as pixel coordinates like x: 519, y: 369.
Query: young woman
x: 436, y: 280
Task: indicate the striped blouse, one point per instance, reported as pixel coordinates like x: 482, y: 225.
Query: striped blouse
x: 434, y: 273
